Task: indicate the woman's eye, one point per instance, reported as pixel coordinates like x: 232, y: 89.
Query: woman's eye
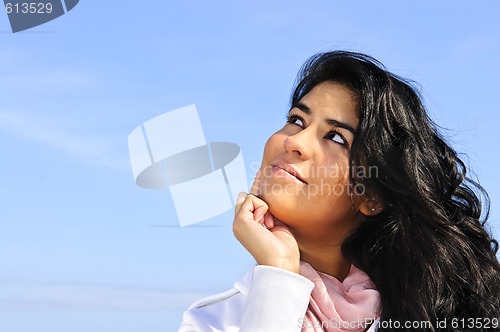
x: 337, y: 138
x: 293, y: 119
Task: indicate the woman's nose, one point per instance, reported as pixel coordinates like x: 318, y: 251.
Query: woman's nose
x: 300, y: 143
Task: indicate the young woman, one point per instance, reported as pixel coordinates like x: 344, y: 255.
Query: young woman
x: 361, y: 217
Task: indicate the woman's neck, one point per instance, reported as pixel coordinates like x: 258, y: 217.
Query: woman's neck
x: 325, y: 258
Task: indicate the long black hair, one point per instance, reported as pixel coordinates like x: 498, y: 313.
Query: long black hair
x: 428, y: 251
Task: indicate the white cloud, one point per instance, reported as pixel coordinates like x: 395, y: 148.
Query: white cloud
x: 55, y: 133
x: 28, y: 75
x: 15, y: 295
x: 56, y: 80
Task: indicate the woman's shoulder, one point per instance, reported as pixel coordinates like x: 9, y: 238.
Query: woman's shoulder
x: 220, y: 311
x: 254, y: 274
x: 224, y: 311
x: 214, y: 312
x: 239, y: 287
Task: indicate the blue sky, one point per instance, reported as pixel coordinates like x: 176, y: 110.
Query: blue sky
x: 82, y: 248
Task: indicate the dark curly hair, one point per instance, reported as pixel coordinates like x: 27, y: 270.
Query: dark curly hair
x: 428, y: 251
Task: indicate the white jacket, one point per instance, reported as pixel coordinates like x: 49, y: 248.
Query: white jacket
x: 265, y: 299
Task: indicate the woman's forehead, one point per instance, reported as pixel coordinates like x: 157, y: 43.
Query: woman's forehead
x: 331, y: 100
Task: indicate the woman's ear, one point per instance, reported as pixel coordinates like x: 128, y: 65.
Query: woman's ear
x: 371, y: 206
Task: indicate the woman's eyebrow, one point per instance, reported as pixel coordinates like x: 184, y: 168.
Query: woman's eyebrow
x: 332, y: 122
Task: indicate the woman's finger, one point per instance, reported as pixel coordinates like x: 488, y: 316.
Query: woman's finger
x: 269, y: 220
x: 255, y: 190
x: 259, y: 208
x: 248, y: 218
x: 239, y: 202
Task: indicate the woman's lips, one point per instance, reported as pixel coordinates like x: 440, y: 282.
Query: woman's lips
x: 285, y: 170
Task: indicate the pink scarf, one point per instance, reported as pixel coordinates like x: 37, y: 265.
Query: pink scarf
x: 351, y: 305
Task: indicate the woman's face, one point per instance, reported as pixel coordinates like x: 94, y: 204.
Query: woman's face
x: 304, y: 176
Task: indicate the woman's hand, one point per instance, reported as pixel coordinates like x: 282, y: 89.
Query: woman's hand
x: 268, y: 240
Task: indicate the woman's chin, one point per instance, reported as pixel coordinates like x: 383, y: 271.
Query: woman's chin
x: 280, y: 212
